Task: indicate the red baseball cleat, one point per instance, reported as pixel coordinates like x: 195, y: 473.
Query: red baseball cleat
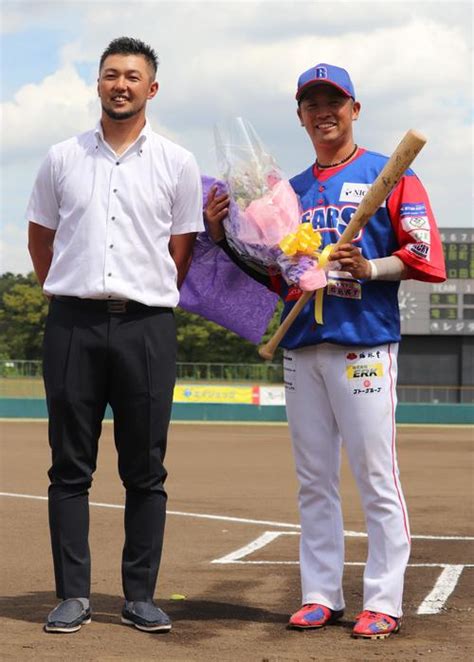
x: 374, y: 625
x: 313, y: 616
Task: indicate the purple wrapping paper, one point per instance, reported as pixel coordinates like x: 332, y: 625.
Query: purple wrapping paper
x: 218, y: 290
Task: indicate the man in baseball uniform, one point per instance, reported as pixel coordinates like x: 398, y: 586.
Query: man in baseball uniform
x: 340, y: 376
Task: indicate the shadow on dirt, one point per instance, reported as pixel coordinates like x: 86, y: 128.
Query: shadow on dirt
x: 34, y: 607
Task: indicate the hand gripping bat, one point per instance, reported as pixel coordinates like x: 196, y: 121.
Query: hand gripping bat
x: 406, y: 152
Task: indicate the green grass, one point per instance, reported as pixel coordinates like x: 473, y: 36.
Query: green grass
x: 21, y: 387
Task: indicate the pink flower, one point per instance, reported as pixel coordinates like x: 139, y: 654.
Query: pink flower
x: 270, y: 218
x: 312, y: 279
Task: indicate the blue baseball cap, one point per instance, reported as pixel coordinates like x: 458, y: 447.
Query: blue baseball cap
x: 326, y: 74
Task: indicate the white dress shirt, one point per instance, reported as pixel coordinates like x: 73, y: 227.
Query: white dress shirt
x: 114, y: 215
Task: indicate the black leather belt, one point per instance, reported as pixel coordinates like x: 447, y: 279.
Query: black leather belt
x: 112, y: 306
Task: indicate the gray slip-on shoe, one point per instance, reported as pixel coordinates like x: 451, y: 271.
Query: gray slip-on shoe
x: 69, y: 616
x: 145, y: 616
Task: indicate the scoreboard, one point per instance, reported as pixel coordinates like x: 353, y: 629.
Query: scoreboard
x: 443, y: 308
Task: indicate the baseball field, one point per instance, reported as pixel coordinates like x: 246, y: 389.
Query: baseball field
x: 229, y: 576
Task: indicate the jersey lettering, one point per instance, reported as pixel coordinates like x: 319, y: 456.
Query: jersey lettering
x: 332, y: 218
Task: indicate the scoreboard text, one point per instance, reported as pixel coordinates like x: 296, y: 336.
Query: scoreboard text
x: 443, y: 308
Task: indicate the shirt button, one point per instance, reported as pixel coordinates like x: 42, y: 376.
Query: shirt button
x: 112, y: 218
x: 117, y: 162
x: 321, y: 189
x: 115, y: 190
x: 109, y: 274
x: 111, y: 246
x: 320, y: 201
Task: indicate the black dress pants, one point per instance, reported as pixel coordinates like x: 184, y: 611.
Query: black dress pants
x: 128, y: 359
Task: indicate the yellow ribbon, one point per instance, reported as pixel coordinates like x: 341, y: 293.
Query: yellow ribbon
x: 323, y: 259
x: 306, y: 240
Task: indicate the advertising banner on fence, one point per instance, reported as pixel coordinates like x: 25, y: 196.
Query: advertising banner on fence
x: 272, y: 395
x: 228, y: 395
x: 218, y: 394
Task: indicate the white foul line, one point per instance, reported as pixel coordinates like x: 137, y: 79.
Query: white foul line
x: 258, y: 543
x: 445, y: 585
x: 237, y: 520
x: 269, y: 536
x: 432, y: 604
x: 222, y: 518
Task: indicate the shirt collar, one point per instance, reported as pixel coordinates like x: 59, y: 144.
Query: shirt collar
x: 138, y: 145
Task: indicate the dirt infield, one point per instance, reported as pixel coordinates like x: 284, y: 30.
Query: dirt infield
x: 228, y: 485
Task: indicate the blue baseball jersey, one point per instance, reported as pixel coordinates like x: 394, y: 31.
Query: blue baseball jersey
x: 362, y: 312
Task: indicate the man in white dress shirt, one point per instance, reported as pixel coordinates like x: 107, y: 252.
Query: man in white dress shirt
x: 112, y: 220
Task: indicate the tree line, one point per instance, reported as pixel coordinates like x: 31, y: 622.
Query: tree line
x: 23, y: 311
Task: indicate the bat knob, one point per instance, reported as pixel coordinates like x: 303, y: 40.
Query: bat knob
x: 265, y: 353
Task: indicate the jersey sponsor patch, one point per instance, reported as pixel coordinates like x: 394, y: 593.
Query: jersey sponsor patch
x: 421, y: 250
x: 365, y: 354
x: 352, y: 192
x: 367, y: 390
x: 422, y: 236
x: 413, y: 209
x: 410, y: 223
x: 364, y: 371
x: 346, y: 289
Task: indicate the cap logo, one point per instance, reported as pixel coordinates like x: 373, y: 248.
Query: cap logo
x: 321, y: 72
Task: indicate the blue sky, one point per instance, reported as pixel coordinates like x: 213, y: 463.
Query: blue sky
x: 410, y: 63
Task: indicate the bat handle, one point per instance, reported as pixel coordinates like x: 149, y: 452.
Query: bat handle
x: 268, y: 350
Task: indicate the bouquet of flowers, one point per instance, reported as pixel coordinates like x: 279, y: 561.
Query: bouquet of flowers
x: 218, y: 290
x: 263, y: 225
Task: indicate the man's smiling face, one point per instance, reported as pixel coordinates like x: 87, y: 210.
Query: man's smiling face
x: 125, y: 84
x: 327, y: 115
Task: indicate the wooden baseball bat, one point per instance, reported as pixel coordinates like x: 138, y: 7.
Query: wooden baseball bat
x: 405, y: 153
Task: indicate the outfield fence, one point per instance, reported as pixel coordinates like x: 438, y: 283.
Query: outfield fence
x: 258, y: 373
x: 22, y: 379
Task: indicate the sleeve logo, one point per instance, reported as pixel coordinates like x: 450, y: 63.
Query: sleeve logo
x: 420, y: 250
x: 413, y: 209
x: 410, y: 223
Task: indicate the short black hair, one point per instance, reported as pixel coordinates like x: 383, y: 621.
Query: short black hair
x: 130, y: 46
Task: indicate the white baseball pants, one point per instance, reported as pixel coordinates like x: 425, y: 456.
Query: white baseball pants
x: 346, y: 395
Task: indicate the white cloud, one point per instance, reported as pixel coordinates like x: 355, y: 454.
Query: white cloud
x: 61, y: 105
x: 40, y: 115
x: 410, y: 63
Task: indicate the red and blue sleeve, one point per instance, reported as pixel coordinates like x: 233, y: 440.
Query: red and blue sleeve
x: 420, y: 246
